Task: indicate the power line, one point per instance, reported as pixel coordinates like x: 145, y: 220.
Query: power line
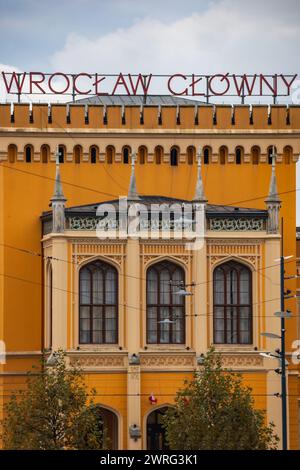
x: 46, y: 258
x: 118, y: 195
x: 140, y: 309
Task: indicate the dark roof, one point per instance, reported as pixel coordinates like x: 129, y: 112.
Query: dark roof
x: 212, y: 210
x: 138, y: 100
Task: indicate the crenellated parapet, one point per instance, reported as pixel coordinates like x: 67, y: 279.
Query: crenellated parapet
x: 150, y: 117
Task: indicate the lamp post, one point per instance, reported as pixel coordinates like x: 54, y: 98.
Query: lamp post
x: 282, y: 353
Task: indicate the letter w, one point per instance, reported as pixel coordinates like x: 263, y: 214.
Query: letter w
x: 141, y: 80
x: 15, y: 80
x: 241, y: 88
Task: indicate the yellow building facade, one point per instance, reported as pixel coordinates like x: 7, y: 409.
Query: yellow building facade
x: 109, y: 300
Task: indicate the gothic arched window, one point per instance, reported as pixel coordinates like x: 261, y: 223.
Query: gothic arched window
x: 98, y: 304
x: 165, y: 308
x: 232, y: 304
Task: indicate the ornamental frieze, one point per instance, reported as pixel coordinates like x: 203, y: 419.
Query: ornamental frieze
x: 242, y: 361
x: 168, y: 360
x: 240, y: 224
x: 105, y: 361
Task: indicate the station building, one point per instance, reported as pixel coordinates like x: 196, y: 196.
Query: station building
x: 111, y: 301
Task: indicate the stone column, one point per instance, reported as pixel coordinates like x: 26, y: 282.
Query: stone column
x: 133, y: 337
x: 59, y: 292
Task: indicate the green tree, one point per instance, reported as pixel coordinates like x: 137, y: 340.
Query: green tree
x: 54, y: 411
x: 216, y: 411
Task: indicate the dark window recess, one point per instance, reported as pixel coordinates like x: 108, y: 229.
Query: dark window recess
x: 125, y: 155
x: 206, y: 156
x: 28, y: 154
x: 98, y: 304
x: 174, y: 157
x: 238, y: 156
x: 93, y: 155
x: 232, y: 322
x: 165, y: 308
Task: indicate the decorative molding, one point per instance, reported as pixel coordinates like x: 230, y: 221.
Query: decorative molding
x: 248, y: 250
x: 164, y: 361
x: 241, y: 360
x: 101, y: 361
x: 232, y: 224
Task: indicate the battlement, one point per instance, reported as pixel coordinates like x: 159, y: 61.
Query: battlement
x: 208, y: 117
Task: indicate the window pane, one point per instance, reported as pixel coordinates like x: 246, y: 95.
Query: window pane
x: 98, y: 286
x: 85, y: 286
x: 151, y: 325
x: 219, y: 325
x: 231, y: 285
x: 110, y: 287
x: 97, y: 318
x: 244, y: 287
x: 178, y: 325
x: 231, y: 325
x: 177, y: 277
x: 84, y: 325
x: 245, y: 325
x: 164, y: 327
x: 110, y: 325
x: 165, y: 287
x: 219, y: 286
x: 152, y: 287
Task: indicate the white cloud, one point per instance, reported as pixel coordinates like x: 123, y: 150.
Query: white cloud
x: 228, y: 36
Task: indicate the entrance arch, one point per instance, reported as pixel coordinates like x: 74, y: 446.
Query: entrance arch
x: 156, y: 434
x: 108, y: 421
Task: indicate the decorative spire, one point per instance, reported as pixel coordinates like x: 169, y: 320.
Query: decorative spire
x: 199, y: 193
x: 132, y: 192
x: 273, y: 202
x: 273, y: 193
x: 58, y: 201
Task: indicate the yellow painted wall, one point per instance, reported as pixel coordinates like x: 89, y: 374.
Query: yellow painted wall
x: 26, y: 189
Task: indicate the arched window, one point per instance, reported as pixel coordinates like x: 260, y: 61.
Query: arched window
x: 158, y: 154
x: 28, y: 153
x: 94, y: 153
x: 126, y: 154
x: 45, y: 153
x: 142, y: 154
x: 165, y: 308
x: 191, y: 154
x: 232, y: 304
x: 287, y: 154
x: 12, y: 153
x: 77, y: 153
x: 174, y: 156
x: 238, y: 155
x: 223, y: 152
x: 206, y: 154
x: 255, y: 154
x: 98, y: 304
x: 62, y: 153
x: 110, y: 154
x: 271, y: 149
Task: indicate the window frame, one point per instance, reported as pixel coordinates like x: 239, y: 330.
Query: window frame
x: 227, y: 267
x: 158, y: 306
x: 104, y: 267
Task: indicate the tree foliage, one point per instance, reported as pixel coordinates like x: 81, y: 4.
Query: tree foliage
x: 54, y: 411
x: 216, y: 411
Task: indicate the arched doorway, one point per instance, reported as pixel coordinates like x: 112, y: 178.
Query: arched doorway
x: 108, y: 421
x: 156, y: 434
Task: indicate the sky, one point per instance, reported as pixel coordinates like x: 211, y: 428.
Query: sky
x: 157, y: 36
